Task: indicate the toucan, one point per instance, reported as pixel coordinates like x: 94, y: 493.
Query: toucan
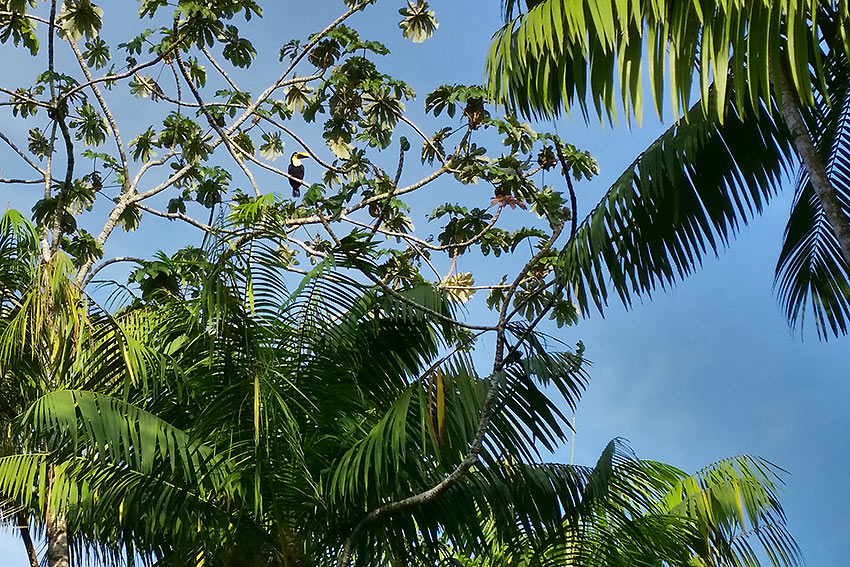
x: 296, y: 170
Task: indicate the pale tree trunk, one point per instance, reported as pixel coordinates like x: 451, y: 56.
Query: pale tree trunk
x: 813, y: 165
x: 57, y: 541
x: 56, y: 530
x: 56, y: 527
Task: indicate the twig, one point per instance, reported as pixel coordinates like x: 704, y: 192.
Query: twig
x: 303, y: 144
x: 218, y: 67
x: 21, y: 181
x: 182, y: 217
x: 24, y: 156
x: 129, y: 72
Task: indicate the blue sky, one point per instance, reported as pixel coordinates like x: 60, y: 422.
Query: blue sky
x: 707, y: 370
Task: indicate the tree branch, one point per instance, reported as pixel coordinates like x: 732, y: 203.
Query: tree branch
x: 109, y: 262
x: 185, y: 218
x: 573, y: 203
x: 407, y: 301
x: 113, y: 126
x: 234, y: 151
x: 24, y: 529
x: 813, y: 165
x: 26, y: 158
x: 477, y: 444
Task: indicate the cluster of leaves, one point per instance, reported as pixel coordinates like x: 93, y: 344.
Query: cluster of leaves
x: 419, y: 21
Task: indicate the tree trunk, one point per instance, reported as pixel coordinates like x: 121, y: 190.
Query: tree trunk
x: 24, y: 529
x: 57, y: 541
x: 56, y: 530
x: 813, y: 165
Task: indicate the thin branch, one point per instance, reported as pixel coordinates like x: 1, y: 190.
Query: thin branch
x: 306, y: 247
x: 24, y: 156
x: 149, y: 165
x: 424, y: 137
x: 401, y: 297
x: 317, y: 219
x: 235, y: 152
x: 425, y: 257
x: 275, y: 170
x: 109, y: 262
x: 477, y: 444
x: 182, y: 217
x: 113, y: 126
x: 530, y: 329
x: 530, y: 264
x: 573, y: 203
x: 218, y: 67
x: 531, y: 296
x: 425, y: 243
x: 26, y: 15
x: 24, y: 528
x: 475, y: 287
x: 303, y: 144
x: 23, y: 98
x: 404, y: 190
x: 129, y: 72
x: 22, y: 181
x: 187, y: 104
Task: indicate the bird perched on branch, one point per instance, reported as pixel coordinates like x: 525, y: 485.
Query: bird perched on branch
x: 296, y: 170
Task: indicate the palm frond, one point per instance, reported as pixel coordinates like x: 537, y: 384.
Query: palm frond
x: 621, y: 512
x: 682, y: 198
x: 561, y: 54
x: 119, y: 432
x: 23, y: 478
x: 733, y: 503
x: 547, y: 514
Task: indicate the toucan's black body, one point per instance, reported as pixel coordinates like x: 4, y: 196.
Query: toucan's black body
x: 296, y: 170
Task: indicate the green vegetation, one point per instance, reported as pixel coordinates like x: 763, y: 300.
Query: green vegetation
x: 301, y: 388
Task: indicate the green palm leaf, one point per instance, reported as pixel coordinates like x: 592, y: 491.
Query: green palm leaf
x: 621, y: 512
x: 682, y: 198
x: 120, y: 432
x: 559, y: 54
x: 732, y: 503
